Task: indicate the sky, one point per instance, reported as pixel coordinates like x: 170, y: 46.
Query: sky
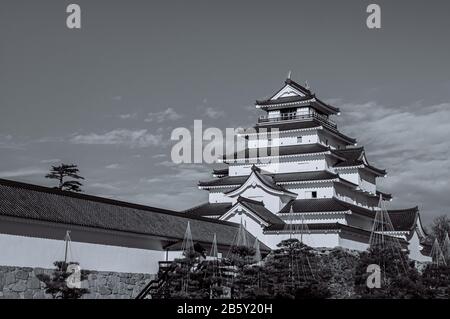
x: 107, y: 97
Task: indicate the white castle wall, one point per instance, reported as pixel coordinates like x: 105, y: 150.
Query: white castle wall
x: 283, y: 139
x: 313, y: 219
x: 329, y: 240
x: 272, y: 202
x: 23, y: 251
x: 324, y: 190
x: 290, y: 165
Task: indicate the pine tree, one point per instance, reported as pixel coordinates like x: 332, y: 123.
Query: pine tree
x: 399, y: 278
x: 64, y: 171
x: 291, y: 272
x: 437, y: 281
x: 56, y: 284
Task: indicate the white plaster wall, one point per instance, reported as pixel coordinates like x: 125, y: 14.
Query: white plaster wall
x: 350, y: 196
x: 38, y: 252
x: 350, y: 175
x: 271, y: 202
x: 303, y: 190
x: 316, y: 219
x: 252, y: 226
x: 329, y: 240
x: 367, y: 181
x: 283, y: 139
x: 352, y: 244
x: 326, y: 138
x: 218, y: 197
x: 305, y: 164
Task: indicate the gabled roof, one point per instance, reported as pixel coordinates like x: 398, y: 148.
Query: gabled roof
x: 292, y: 92
x: 318, y: 205
x: 277, y: 178
x: 259, y: 209
x: 355, y: 157
x: 266, y: 180
x: 28, y: 203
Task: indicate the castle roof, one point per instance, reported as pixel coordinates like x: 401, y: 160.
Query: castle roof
x: 354, y: 157
x: 293, y: 93
x: 258, y: 208
x: 265, y: 180
x: 27, y: 203
x: 404, y: 219
x: 307, y: 124
x: 277, y: 178
x: 317, y: 205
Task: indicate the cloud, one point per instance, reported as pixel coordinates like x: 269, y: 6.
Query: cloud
x: 127, y: 116
x: 112, y: 166
x: 131, y: 138
x: 7, y: 141
x: 105, y: 187
x: 411, y: 142
x: 51, y: 161
x: 214, y: 113
x: 167, y: 115
x: 159, y: 156
x: 26, y: 171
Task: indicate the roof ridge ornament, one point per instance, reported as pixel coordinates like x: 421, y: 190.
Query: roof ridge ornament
x: 289, y: 74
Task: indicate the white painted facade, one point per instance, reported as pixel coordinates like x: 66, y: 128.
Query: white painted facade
x: 21, y: 251
x: 356, y: 185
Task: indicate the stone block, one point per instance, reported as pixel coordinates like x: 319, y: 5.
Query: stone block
x: 10, y: 279
x: 33, y: 283
x: 21, y: 274
x: 104, y: 291
x: 19, y: 287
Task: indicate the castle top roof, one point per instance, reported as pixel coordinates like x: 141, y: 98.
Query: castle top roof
x: 293, y: 93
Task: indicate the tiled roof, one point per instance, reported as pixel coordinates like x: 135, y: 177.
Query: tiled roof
x: 209, y: 209
x: 404, y: 219
x: 277, y: 178
x: 31, y: 202
x: 221, y: 172
x: 323, y: 107
x: 353, y: 157
x: 324, y: 205
x: 259, y: 209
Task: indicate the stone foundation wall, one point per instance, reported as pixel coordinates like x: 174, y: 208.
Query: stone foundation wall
x: 22, y: 283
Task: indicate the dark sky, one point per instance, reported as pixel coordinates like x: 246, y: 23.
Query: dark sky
x: 108, y: 96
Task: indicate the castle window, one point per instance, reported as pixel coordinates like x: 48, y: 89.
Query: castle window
x: 299, y: 139
x: 311, y: 194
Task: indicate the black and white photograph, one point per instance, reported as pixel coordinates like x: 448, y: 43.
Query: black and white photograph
x: 202, y: 151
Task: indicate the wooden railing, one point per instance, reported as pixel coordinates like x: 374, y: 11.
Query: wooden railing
x: 298, y: 116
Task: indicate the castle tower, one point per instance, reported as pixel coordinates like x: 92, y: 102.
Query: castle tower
x: 297, y: 160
